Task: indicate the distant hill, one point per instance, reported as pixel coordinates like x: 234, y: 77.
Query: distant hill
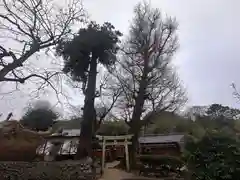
x: 158, y: 118
x: 166, y: 116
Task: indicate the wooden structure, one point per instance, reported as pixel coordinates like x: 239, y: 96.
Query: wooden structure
x: 115, y: 141
x: 172, y: 144
x: 65, y: 147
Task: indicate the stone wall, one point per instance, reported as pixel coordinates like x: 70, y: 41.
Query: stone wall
x: 61, y: 170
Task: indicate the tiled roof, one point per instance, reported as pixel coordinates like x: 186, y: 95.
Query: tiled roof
x: 76, y: 132
x: 161, y: 139
x: 67, y: 124
x: 72, y: 132
x: 144, y: 139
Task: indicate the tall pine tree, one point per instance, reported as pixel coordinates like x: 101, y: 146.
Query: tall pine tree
x: 91, y: 46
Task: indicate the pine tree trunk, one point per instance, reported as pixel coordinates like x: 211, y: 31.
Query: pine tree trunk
x: 89, y: 115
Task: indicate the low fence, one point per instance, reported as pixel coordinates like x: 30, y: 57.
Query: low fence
x: 63, y: 170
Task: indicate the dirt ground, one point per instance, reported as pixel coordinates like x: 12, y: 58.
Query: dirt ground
x: 111, y: 173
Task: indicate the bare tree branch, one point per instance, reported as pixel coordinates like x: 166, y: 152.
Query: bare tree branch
x: 35, y: 25
x: 109, y: 95
x: 236, y: 93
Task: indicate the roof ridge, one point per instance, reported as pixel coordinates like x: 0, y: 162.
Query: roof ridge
x: 170, y: 134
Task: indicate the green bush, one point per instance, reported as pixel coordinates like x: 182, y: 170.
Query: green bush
x: 169, y: 163
x: 214, y: 157
x: 39, y: 119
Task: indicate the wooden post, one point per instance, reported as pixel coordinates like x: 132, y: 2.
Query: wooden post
x: 70, y: 148
x: 44, y: 148
x: 103, y: 154
x: 127, y: 154
x: 60, y: 149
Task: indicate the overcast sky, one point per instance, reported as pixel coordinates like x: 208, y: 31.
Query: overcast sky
x: 209, y: 56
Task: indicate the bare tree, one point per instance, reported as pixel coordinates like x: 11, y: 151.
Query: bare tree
x: 236, y: 93
x: 106, y: 98
x: 108, y: 95
x: 145, y: 73
x: 33, y: 26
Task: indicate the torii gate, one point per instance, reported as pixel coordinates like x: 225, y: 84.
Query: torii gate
x: 117, y: 141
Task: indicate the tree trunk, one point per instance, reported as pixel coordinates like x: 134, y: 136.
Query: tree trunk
x: 133, y: 149
x: 89, y: 115
x: 135, y: 123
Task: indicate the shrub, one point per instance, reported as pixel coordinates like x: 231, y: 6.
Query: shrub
x: 39, y: 118
x: 161, y: 163
x: 215, y: 157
